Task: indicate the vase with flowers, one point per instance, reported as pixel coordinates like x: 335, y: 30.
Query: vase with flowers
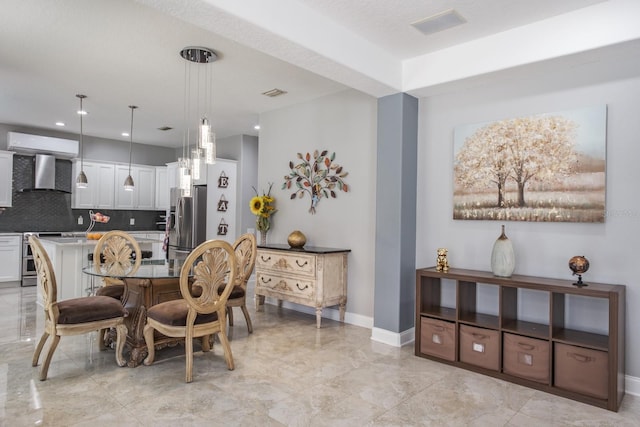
x: 263, y: 207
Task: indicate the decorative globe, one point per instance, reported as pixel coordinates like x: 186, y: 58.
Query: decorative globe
x: 579, y: 264
x: 296, y: 239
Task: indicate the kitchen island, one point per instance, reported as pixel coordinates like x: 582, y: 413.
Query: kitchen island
x: 69, y: 255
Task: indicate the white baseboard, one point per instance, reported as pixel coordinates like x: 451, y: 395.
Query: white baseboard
x: 327, y: 313
x: 395, y: 339
x: 632, y: 385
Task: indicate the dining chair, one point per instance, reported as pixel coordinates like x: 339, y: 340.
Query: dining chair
x: 200, y: 313
x: 73, y: 316
x: 246, y: 250
x: 117, y: 253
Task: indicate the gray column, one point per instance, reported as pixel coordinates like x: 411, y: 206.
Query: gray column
x: 394, y: 303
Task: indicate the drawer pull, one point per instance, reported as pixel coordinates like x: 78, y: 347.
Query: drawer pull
x: 265, y: 259
x: 303, y: 264
x: 438, y: 328
x: 525, y: 346
x: 265, y: 281
x: 580, y: 357
x: 302, y: 289
x: 479, y: 336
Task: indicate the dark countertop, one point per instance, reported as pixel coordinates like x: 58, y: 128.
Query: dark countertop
x: 306, y: 249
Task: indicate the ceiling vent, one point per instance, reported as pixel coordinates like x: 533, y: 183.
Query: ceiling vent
x: 274, y: 92
x: 439, y: 22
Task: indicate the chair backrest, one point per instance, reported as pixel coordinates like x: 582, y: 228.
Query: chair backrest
x: 46, y: 277
x: 246, y: 249
x: 210, y: 266
x: 113, y: 251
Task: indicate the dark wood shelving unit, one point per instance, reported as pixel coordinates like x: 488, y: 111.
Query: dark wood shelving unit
x: 609, y: 349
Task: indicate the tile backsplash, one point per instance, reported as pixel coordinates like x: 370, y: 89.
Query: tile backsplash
x: 51, y: 210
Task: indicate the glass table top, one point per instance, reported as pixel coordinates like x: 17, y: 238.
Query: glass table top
x: 149, y: 269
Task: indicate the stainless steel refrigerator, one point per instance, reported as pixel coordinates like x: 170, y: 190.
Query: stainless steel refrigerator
x: 188, y: 221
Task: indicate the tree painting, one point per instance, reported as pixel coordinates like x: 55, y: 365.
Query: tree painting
x: 548, y: 167
x: 317, y: 176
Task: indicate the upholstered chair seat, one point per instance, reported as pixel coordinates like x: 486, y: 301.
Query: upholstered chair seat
x: 113, y: 290
x: 175, y: 312
x: 88, y: 309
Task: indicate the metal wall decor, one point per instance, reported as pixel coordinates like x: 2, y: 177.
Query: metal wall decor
x: 222, y: 228
x: 223, y: 204
x: 317, y: 176
x: 223, y: 180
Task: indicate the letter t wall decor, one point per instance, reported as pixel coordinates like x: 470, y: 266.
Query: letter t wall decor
x: 319, y: 178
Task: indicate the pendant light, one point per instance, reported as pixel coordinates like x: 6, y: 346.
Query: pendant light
x: 81, y: 180
x: 128, y: 183
x: 205, y: 147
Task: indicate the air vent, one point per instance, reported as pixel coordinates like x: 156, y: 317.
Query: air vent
x: 165, y: 128
x: 439, y: 22
x: 274, y: 92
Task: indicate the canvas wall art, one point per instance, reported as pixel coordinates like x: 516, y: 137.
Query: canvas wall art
x: 546, y: 168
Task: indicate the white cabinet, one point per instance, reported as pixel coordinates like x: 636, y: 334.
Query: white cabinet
x: 143, y: 195
x: 11, y: 256
x: 6, y: 178
x: 162, y: 188
x: 99, y: 193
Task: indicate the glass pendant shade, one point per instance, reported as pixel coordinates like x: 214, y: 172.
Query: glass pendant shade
x: 184, y: 174
x: 196, y: 160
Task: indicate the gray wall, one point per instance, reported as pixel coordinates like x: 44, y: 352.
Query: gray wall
x: 110, y: 150
x: 542, y: 249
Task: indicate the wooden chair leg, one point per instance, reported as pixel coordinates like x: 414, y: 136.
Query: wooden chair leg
x: 36, y: 353
x: 101, y: 334
x: 121, y: 331
x: 148, y: 339
x: 247, y: 318
x: 188, y: 344
x: 230, y: 315
x: 206, y: 343
x: 44, y: 369
x: 227, y: 349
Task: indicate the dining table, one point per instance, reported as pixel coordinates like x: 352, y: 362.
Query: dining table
x: 156, y: 281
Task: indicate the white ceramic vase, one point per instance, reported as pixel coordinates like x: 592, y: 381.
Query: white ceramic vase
x: 503, y: 259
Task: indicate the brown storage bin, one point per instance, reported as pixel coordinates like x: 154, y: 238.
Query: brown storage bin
x: 581, y: 370
x: 480, y: 347
x: 437, y: 338
x: 526, y: 358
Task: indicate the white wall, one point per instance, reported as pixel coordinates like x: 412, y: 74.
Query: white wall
x: 344, y: 123
x: 542, y: 249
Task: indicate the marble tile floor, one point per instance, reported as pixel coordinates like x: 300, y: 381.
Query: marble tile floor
x: 288, y: 373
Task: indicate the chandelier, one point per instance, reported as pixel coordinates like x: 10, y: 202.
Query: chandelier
x: 198, y: 144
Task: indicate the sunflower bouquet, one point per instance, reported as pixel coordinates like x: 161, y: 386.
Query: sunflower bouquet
x: 263, y: 207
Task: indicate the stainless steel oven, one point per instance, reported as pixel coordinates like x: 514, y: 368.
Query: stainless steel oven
x: 29, y: 276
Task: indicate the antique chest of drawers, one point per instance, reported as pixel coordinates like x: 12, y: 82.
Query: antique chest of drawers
x: 312, y: 276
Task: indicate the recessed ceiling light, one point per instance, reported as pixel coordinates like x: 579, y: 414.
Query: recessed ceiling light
x: 257, y: 127
x: 82, y: 112
x: 125, y: 133
x: 439, y: 22
x: 59, y: 124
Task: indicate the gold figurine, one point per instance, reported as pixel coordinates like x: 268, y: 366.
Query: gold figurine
x: 442, y: 264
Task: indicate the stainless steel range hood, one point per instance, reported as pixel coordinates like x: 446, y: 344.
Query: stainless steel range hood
x: 44, y: 174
